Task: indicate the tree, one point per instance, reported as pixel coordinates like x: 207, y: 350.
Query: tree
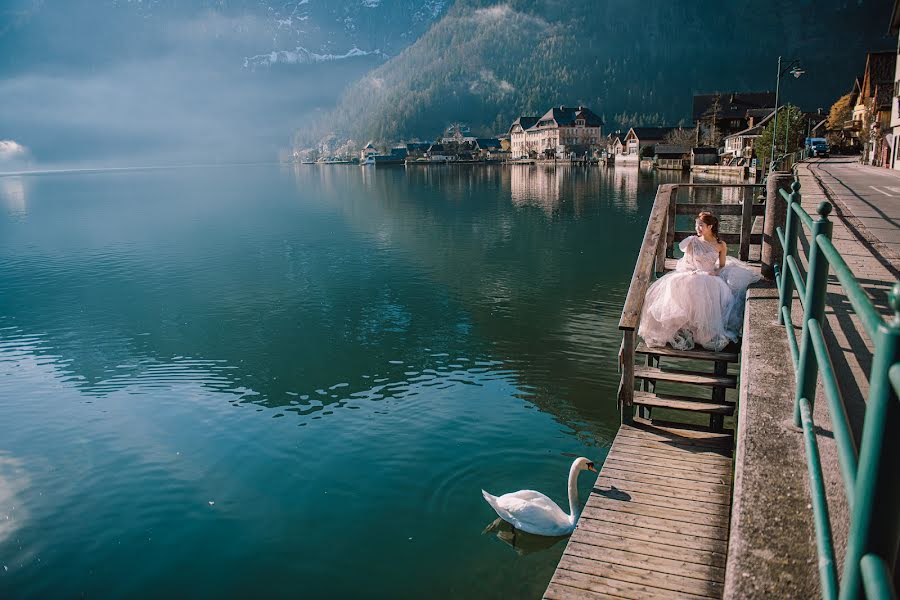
x: 841, y: 112
x: 791, y: 121
x: 681, y: 137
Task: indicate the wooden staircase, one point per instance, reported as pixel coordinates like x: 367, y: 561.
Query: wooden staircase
x: 702, y: 373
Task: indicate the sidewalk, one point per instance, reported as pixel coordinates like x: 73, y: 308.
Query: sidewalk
x: 772, y: 552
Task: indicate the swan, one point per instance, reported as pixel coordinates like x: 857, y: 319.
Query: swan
x: 533, y: 512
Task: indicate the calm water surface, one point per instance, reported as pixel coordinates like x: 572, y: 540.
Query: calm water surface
x: 294, y: 382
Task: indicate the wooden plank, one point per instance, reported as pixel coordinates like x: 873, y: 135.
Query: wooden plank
x: 682, y: 403
x: 716, y: 520
x: 649, y: 469
x: 616, y: 471
x: 679, y: 540
x: 671, y: 205
x: 569, y: 585
x: 682, y: 376
x: 698, y: 354
x: 671, y: 466
x: 712, y: 453
x: 611, y: 539
x: 625, y: 444
x: 627, y: 493
x: 661, y: 523
x: 705, y: 496
x: 659, y: 564
x: 684, y: 434
x: 626, y: 383
x: 675, y: 583
x: 643, y: 268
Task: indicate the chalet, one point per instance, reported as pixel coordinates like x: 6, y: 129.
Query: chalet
x: 366, y: 152
x: 639, y: 141
x: 562, y: 132
x: 740, y: 144
x: 614, y: 145
x: 722, y: 114
x: 872, y: 111
x: 489, y: 149
x: 438, y: 151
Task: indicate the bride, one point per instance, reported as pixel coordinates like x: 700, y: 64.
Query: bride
x: 701, y: 302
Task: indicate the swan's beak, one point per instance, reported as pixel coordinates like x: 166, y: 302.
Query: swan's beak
x: 591, y: 467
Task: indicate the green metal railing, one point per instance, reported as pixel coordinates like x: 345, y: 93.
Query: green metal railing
x: 871, y: 472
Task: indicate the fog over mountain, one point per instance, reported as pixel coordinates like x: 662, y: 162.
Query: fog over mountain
x: 118, y: 82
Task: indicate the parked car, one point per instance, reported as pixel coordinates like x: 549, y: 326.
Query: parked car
x: 817, y: 147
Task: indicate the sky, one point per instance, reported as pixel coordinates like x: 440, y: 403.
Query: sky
x: 154, y: 82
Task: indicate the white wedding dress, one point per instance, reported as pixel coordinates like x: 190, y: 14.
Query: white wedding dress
x: 693, y: 305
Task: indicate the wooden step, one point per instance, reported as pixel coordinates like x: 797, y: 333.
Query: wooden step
x: 679, y: 376
x: 685, y: 403
x: 730, y: 354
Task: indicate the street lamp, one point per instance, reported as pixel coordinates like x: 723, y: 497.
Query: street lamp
x: 793, y: 67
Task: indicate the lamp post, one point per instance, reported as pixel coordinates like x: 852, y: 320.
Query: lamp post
x: 793, y: 67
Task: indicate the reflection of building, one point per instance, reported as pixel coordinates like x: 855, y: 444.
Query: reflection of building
x: 562, y: 132
x: 537, y: 185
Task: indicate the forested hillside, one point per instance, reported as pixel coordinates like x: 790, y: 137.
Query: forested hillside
x: 484, y: 63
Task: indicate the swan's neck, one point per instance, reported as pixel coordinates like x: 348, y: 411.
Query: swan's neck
x: 574, y: 504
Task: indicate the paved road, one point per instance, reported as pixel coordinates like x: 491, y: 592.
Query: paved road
x: 870, y: 194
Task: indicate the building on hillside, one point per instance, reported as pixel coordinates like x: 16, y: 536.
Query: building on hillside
x: 562, y: 132
x: 741, y: 144
x: 721, y: 114
x: 873, y: 108
x: 639, y: 142
x: 457, y: 134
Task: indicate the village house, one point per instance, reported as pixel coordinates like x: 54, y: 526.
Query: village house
x: 416, y: 150
x: 873, y: 107
x: 722, y: 114
x: 489, y: 149
x: 562, y: 132
x: 895, y: 96
x: 671, y: 157
x: 366, y: 152
x: 639, y: 142
x: 741, y: 144
x: 614, y: 145
x: 438, y: 151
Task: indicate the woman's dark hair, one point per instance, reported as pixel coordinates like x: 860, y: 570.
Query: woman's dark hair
x: 710, y: 219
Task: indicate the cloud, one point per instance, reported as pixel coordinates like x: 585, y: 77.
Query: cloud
x: 12, y: 150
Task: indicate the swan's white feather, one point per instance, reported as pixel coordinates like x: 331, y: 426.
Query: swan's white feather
x: 532, y: 512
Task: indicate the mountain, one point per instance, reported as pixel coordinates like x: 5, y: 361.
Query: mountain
x: 485, y: 63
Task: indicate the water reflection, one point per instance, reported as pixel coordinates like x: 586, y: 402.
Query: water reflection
x: 12, y: 193
x: 523, y: 543
x: 14, y: 481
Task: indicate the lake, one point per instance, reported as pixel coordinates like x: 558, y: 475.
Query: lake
x: 294, y: 381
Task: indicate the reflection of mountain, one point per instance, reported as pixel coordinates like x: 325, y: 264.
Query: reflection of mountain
x: 540, y: 287
x: 326, y: 285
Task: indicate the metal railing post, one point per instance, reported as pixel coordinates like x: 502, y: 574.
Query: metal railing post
x: 792, y: 223
x: 813, y: 308
x: 875, y: 521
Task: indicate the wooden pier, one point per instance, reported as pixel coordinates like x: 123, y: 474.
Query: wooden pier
x: 656, y: 524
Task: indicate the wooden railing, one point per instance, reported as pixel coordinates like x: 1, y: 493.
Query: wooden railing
x: 658, y: 244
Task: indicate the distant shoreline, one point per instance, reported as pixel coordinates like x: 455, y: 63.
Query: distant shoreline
x: 134, y: 168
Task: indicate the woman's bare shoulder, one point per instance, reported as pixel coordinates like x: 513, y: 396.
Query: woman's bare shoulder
x: 722, y: 247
